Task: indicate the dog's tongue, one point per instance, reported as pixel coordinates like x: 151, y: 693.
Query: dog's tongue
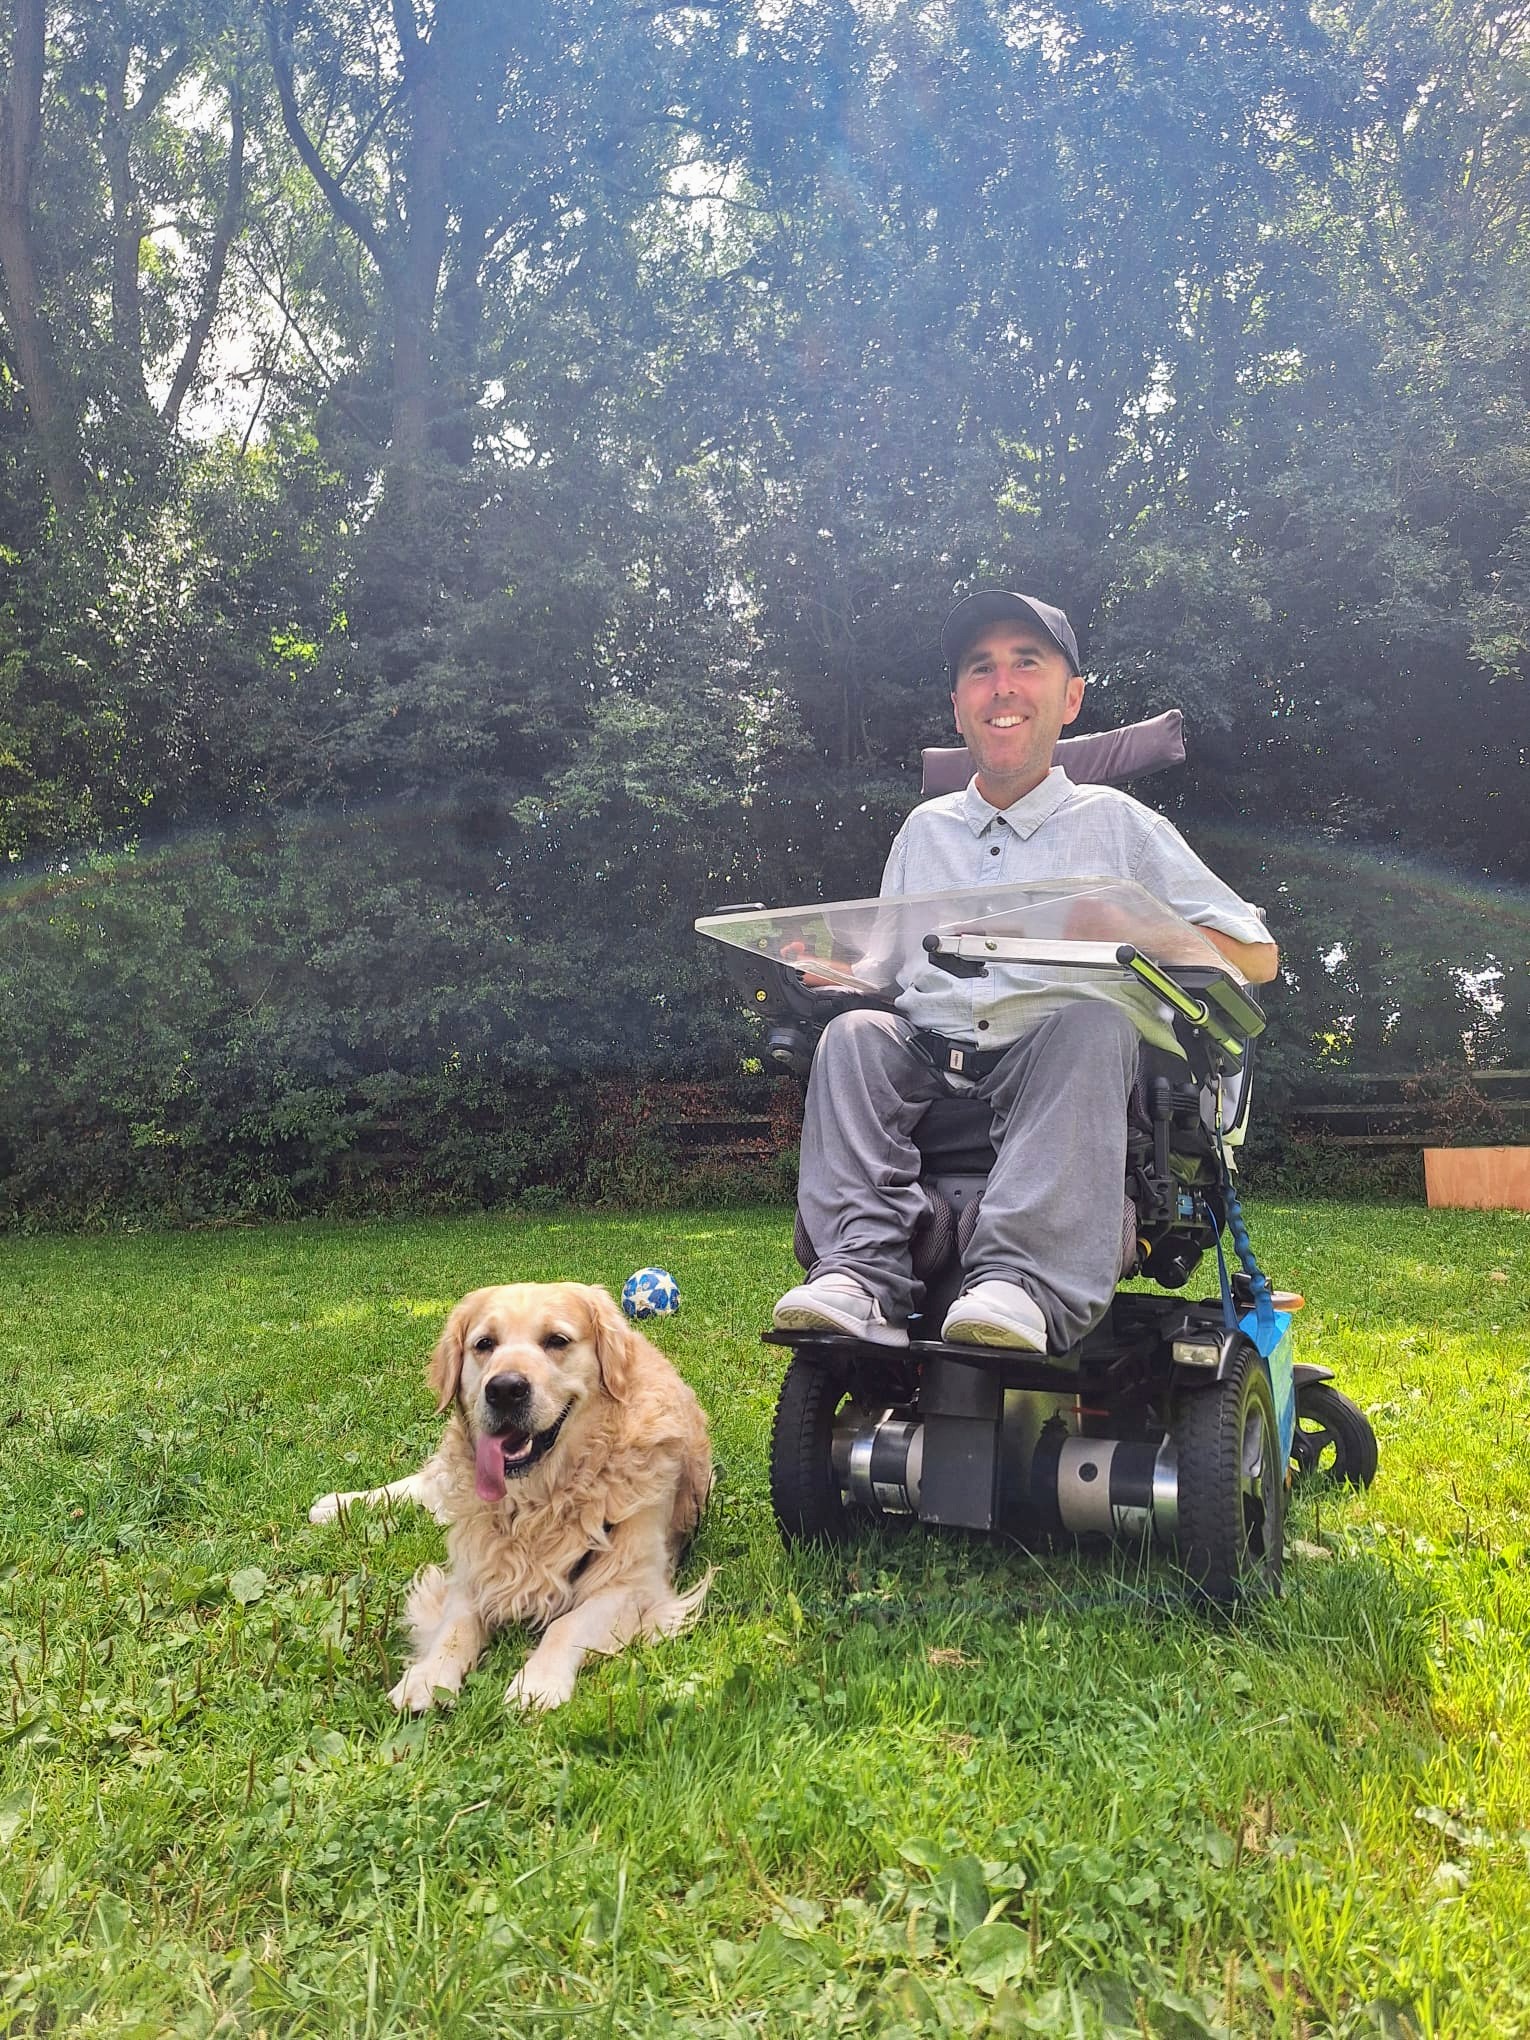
x: 489, y: 1469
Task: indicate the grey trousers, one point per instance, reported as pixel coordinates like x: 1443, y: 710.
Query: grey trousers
x: 1050, y: 1217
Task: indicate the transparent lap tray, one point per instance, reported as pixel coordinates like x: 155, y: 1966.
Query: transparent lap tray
x: 876, y: 946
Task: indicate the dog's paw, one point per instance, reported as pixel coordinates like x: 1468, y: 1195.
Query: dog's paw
x: 535, y: 1690
x: 326, y: 1508
x: 418, y: 1690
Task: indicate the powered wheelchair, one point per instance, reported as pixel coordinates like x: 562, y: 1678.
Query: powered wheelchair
x: 1177, y: 1418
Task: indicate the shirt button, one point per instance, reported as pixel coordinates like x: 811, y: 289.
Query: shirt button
x: 982, y: 1027
x: 994, y: 851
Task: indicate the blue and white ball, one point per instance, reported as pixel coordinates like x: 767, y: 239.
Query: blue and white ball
x: 651, y: 1292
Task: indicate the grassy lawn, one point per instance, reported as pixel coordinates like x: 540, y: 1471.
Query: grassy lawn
x: 918, y: 1786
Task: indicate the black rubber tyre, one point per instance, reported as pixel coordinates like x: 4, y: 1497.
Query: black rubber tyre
x: 1231, y: 1484
x: 804, y: 1489
x: 1333, y: 1441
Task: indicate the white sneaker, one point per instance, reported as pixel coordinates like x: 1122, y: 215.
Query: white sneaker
x: 996, y: 1314
x: 837, y: 1303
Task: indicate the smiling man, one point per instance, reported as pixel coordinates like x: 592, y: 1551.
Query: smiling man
x: 1055, y: 1066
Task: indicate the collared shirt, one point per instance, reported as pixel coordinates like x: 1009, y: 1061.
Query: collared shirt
x: 1057, y: 830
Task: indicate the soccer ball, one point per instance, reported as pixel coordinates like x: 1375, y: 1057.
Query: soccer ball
x: 651, y: 1292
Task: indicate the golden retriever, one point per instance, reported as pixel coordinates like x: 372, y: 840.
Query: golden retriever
x: 571, y: 1476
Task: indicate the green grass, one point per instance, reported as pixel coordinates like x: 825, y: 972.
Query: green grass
x: 918, y: 1786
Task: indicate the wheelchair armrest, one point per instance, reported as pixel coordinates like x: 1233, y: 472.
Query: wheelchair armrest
x: 1237, y: 1003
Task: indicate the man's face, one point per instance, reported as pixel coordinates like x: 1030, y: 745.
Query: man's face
x: 1014, y: 695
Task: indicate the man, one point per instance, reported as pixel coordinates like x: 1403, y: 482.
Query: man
x: 1056, y: 1067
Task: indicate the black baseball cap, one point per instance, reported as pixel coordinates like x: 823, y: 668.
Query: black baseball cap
x: 975, y: 612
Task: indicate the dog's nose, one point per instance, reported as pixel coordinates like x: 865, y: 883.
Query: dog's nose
x: 502, y: 1392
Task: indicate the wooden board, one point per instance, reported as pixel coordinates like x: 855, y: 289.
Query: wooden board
x: 1478, y: 1179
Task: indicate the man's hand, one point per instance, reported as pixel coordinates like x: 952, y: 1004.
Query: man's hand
x: 795, y: 954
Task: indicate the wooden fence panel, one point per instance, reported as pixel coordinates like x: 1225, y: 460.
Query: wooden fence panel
x: 1443, y: 1108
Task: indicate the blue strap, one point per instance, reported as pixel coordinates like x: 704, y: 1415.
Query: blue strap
x: 1264, y: 1303
x: 1229, y: 1314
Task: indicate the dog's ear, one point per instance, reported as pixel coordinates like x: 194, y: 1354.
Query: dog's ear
x: 445, y: 1369
x: 615, y: 1343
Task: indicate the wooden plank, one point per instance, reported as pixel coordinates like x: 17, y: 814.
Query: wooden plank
x: 1478, y: 1179
x: 1393, y: 1108
x: 1361, y: 1108
x: 750, y: 1122
x: 1471, y: 1076
x: 1408, y: 1140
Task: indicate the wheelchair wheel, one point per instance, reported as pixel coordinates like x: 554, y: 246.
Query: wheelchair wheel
x: 804, y: 1488
x: 1333, y: 1439
x: 1231, y: 1484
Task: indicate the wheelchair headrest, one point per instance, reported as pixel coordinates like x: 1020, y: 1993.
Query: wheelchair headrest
x: 1102, y: 759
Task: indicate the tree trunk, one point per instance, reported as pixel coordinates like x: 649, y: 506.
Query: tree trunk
x: 20, y: 128
x: 121, y: 130
x: 127, y: 237
x: 418, y: 278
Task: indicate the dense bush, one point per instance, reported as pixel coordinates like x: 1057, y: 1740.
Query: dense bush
x: 361, y: 1014
x: 345, y: 1017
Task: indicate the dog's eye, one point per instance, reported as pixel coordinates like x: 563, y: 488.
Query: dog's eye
x: 484, y: 1344
x: 556, y: 1341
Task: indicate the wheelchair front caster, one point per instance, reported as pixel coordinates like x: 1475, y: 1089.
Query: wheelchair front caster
x: 1231, y: 1484
x: 1333, y: 1439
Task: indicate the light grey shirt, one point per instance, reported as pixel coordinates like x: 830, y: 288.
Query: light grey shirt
x: 1057, y: 830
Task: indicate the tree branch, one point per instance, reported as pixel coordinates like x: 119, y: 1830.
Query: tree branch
x: 406, y: 28
x: 273, y: 355
x: 344, y: 208
x: 291, y: 323
x: 217, y: 262
x: 156, y: 86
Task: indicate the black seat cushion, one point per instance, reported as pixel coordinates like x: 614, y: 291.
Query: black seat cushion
x: 954, y: 1137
